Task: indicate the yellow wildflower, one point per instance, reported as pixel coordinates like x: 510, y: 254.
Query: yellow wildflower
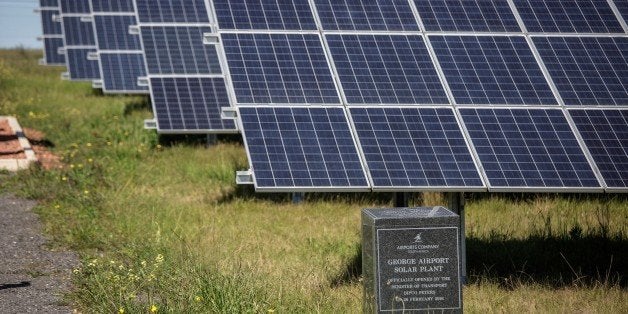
x: 89, y: 144
x: 121, y: 310
x: 198, y: 298
x: 153, y: 308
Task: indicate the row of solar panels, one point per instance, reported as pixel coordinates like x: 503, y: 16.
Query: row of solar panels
x: 386, y: 95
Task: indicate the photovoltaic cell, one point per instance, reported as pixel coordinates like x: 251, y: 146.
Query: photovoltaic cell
x: 374, y: 15
x: 302, y: 147
x: 587, y: 70
x: 279, y: 69
x: 605, y: 133
x: 121, y: 70
x: 50, y: 27
x: 113, y: 6
x: 386, y: 69
x: 622, y: 6
x: 415, y: 148
x: 492, y: 70
x: 171, y: 11
x: 48, y: 3
x: 51, y: 49
x: 190, y: 103
x: 113, y: 32
x: 79, y: 67
x: 74, y: 6
x: 77, y: 32
x: 467, y: 16
x: 568, y: 16
x: 260, y: 14
x: 528, y: 148
x: 179, y: 50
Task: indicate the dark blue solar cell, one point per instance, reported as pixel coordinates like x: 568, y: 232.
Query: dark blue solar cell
x: 190, y: 104
x: 179, y: 50
x: 301, y: 147
x: 605, y: 133
x: 568, y: 16
x: 415, y: 148
x: 79, y: 67
x: 375, y: 15
x: 279, y: 69
x: 50, y: 27
x: 113, y: 6
x: 492, y: 70
x: 74, y: 6
x: 120, y: 72
x: 587, y: 70
x: 386, y: 69
x: 51, y: 51
x: 77, y: 32
x: 48, y: 3
x: 528, y: 148
x: 112, y: 32
x: 622, y: 6
x: 260, y: 14
x: 172, y: 11
x: 468, y: 16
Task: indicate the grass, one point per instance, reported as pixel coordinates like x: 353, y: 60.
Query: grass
x: 159, y: 222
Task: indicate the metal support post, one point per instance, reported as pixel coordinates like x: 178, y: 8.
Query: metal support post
x: 211, y: 140
x: 456, y: 204
x: 297, y: 197
x: 401, y: 199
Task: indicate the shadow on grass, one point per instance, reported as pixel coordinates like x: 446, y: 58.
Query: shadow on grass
x: 169, y: 140
x: 587, y: 261
x: 141, y: 104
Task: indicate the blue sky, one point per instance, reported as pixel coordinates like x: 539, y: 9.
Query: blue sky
x: 18, y: 24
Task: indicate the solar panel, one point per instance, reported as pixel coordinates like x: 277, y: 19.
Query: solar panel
x: 112, y: 6
x: 533, y: 149
x: 279, y: 69
x: 568, y: 16
x: 622, y: 6
x: 605, y: 133
x: 169, y: 11
x: 492, y: 70
x: 302, y: 148
x: 587, y: 70
x: 74, y: 6
x: 190, y: 103
x: 50, y: 26
x: 386, y: 69
x: 120, y: 72
x: 415, y: 148
x: 51, y: 51
x: 467, y: 16
x: 260, y: 14
x: 112, y: 32
x: 78, y: 32
x: 48, y: 4
x: 179, y: 50
x: 79, y: 67
x: 348, y: 15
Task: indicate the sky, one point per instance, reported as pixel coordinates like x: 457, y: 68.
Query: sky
x: 19, y: 25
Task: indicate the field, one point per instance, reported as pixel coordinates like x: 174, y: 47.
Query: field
x: 159, y: 222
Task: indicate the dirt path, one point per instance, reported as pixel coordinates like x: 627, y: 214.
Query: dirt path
x: 32, y: 278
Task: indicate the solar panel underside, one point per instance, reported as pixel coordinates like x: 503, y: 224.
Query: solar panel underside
x: 120, y: 52
x: 605, y: 133
x: 187, y: 85
x: 445, y: 95
x: 533, y: 149
x: 302, y: 148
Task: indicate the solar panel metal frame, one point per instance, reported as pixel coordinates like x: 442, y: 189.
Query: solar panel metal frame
x: 44, y: 60
x: 422, y: 31
x: 101, y: 83
x: 213, y: 25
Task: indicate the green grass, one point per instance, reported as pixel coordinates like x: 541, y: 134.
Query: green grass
x: 161, y: 222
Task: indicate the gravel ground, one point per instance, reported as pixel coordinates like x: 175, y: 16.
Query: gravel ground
x: 32, y: 277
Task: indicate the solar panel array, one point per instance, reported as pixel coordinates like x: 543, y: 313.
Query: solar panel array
x: 396, y: 95
x: 429, y: 95
x: 52, y: 33
x: 187, y: 84
x: 120, y: 53
x: 78, y: 40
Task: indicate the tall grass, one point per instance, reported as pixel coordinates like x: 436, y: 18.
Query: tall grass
x: 159, y: 222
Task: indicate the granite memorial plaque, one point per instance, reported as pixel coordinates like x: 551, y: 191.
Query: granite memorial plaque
x: 411, y: 260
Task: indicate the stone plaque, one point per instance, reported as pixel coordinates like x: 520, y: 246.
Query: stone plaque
x: 411, y: 260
